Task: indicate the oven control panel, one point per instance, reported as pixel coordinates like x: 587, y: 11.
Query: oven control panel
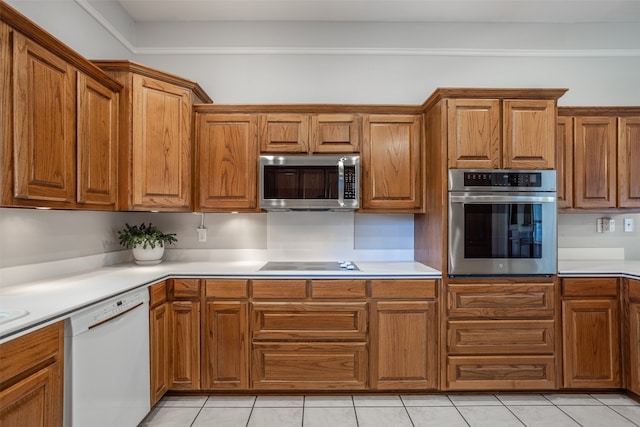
x: 502, y: 179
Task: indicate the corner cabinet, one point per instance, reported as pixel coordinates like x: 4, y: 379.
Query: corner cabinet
x: 600, y: 145
x: 31, y: 374
x: 591, y: 333
x: 500, y: 128
x: 226, y: 161
x: 60, y: 121
x: 155, y: 149
x: 392, y: 178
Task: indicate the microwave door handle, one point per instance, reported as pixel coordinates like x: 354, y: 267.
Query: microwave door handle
x: 341, y: 182
x: 502, y: 199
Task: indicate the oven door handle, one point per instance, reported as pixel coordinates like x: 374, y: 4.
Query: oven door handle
x: 501, y: 199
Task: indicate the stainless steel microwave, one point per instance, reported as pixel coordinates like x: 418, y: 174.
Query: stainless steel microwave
x: 302, y: 182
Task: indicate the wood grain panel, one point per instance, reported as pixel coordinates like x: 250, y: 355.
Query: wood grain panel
x: 185, y: 289
x: 634, y: 290
x: 474, y: 133
x: 501, y: 337
x: 564, y: 162
x: 595, y: 162
x: 226, y: 288
x: 529, y: 140
x: 634, y: 347
x: 501, y: 301
x: 283, y: 133
x: 339, y: 288
x: 309, y: 366
x: 158, y: 294
x: 335, y: 133
x: 628, y: 161
x: 279, y: 288
x: 159, y: 339
x: 403, y: 288
x: 185, y: 345
x: 590, y: 287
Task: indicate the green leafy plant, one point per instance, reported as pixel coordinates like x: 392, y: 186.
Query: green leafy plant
x: 145, y: 235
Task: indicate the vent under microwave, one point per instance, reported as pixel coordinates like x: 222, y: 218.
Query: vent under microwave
x: 301, y: 182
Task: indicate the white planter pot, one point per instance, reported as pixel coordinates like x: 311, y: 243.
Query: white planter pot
x: 148, y: 256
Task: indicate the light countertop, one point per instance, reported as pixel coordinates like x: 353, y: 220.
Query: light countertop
x: 48, y: 301
x: 592, y: 268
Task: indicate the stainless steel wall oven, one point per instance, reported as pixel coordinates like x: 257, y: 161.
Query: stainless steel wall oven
x: 502, y: 222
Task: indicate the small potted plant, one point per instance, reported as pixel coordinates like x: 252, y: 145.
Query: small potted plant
x: 147, y: 242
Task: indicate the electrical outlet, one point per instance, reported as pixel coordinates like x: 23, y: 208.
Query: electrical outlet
x: 599, y: 227
x: 608, y: 225
x: 628, y: 225
x: 202, y: 234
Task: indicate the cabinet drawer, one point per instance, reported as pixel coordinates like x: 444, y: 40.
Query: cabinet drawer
x: 309, y: 366
x: 501, y: 301
x: 185, y: 288
x: 309, y: 320
x: 634, y: 290
x: 157, y: 294
x: 501, y: 372
x: 226, y: 289
x: 338, y: 289
x: 399, y: 288
x: 590, y: 287
x: 501, y: 337
x: 279, y: 289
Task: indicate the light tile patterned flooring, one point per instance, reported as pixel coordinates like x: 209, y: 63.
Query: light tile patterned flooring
x: 452, y: 410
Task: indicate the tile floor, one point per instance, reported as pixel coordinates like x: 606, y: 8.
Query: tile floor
x: 545, y: 410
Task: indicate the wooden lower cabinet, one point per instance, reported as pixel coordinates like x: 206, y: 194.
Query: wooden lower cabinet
x: 31, y: 374
x: 500, y: 335
x: 591, y: 333
x: 633, y: 326
x: 185, y: 345
x: 159, y: 327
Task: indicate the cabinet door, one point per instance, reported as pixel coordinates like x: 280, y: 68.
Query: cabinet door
x: 595, y: 162
x: 185, y: 345
x: 529, y: 140
x: 97, y: 143
x: 227, y: 166
x: 335, y: 133
x: 226, y: 346
x: 628, y: 161
x: 564, y: 154
x: 161, y: 155
x: 403, y: 345
x: 391, y: 163
x: 44, y: 106
x: 474, y: 133
x: 159, y: 329
x: 634, y: 349
x: 283, y: 133
x: 591, y: 339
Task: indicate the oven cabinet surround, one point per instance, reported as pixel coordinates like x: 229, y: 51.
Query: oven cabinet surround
x: 631, y: 326
x: 591, y: 333
x: 59, y: 122
x: 294, y: 334
x: 500, y: 334
x: 327, y: 133
x: 31, y: 374
x: 155, y: 137
x: 598, y: 148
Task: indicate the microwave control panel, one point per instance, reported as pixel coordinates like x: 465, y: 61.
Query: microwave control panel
x: 350, y: 182
x: 502, y: 179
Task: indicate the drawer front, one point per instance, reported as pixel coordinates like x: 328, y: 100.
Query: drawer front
x: 309, y: 320
x: 279, y: 289
x: 501, y: 373
x: 634, y: 290
x: 309, y: 366
x: 590, y: 287
x: 399, y: 288
x: 501, y: 337
x: 227, y: 289
x: 338, y: 289
x: 157, y: 294
x: 501, y: 301
x: 185, y: 288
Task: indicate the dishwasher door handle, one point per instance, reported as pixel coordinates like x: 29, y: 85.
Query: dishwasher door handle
x: 95, y: 325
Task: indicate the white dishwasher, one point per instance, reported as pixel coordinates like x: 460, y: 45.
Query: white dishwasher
x: 107, y: 363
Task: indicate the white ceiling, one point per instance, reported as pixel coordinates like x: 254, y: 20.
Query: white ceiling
x: 538, y: 11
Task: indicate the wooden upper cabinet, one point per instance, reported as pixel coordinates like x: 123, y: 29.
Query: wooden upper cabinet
x: 335, y: 133
x: 391, y: 163
x: 226, y: 156
x: 44, y: 136
x: 628, y: 161
x: 309, y: 133
x: 595, y: 162
x: 564, y: 160
x: 474, y: 133
x: 155, y: 137
x: 97, y: 143
x: 529, y: 134
x: 284, y: 133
